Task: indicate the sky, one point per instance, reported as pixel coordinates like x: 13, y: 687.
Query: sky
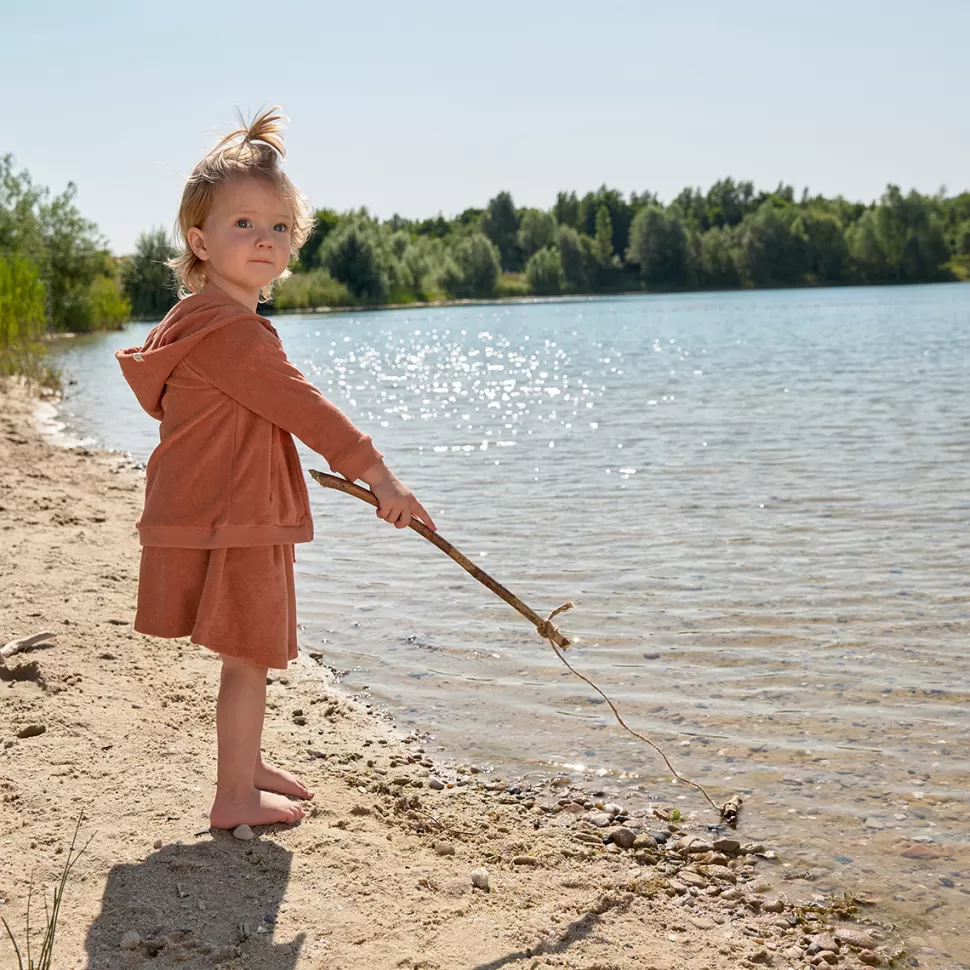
x: 425, y: 107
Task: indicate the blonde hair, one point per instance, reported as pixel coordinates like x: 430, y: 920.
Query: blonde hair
x: 258, y: 153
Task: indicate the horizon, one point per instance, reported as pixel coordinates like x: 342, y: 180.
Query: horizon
x: 435, y: 110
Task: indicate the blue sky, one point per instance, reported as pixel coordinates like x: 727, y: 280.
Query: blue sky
x: 423, y: 107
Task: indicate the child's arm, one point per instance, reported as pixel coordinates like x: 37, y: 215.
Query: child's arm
x: 397, y: 501
x: 246, y: 361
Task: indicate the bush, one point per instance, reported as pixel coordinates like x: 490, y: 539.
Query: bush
x: 472, y: 269
x: 311, y: 290
x: 23, y: 323
x: 544, y: 272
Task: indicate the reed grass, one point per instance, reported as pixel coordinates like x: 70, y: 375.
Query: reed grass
x: 44, y: 959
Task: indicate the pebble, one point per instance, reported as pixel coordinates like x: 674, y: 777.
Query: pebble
x: 699, y: 845
x: 691, y: 878
x: 727, y: 846
x: 525, y: 860
x: 823, y: 941
x: 436, y: 783
x: 874, y: 823
x: 158, y: 843
x: 644, y: 841
x: 131, y: 940
x: 722, y: 873
x: 613, y: 809
x: 599, y: 819
x: 573, y: 807
x: 444, y: 848
x: 243, y: 832
x: 860, y: 939
x: 922, y: 852
x: 625, y: 838
x: 560, y: 781
x: 479, y: 878
x: 870, y: 958
x: 825, y: 956
x: 31, y: 730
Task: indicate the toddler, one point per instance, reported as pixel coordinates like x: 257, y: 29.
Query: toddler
x: 225, y: 495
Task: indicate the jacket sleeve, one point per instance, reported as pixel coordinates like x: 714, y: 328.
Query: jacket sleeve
x: 246, y: 360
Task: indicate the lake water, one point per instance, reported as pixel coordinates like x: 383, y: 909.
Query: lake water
x: 757, y: 501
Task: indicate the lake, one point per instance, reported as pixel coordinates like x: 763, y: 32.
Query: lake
x: 758, y: 502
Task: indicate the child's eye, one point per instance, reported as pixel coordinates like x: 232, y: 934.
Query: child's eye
x: 281, y: 226
x: 239, y: 222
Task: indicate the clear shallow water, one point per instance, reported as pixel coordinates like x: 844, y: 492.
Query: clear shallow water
x: 758, y: 503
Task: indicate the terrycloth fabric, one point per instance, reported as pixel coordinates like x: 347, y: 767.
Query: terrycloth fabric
x: 239, y: 602
x: 226, y: 471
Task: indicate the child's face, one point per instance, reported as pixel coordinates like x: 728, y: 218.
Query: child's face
x: 245, y: 239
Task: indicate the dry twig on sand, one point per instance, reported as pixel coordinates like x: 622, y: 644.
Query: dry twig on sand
x: 545, y: 627
x: 25, y: 643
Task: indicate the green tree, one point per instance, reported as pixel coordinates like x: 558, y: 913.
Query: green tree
x: 620, y: 212
x: 544, y: 272
x: 325, y: 221
x: 537, y: 230
x: 148, y: 283
x: 352, y: 255
x: 772, y: 251
x: 828, y: 252
x: 472, y: 269
x: 576, y: 259
x: 717, y: 268
x: 603, y: 240
x: 566, y: 210
x: 658, y: 247
x: 500, y: 223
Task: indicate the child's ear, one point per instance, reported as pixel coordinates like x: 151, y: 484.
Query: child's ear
x: 196, y: 242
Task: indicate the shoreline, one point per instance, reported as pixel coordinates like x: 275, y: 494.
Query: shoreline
x: 527, y: 300
x: 121, y: 726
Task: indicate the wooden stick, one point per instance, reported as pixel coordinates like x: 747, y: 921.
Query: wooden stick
x: 24, y: 643
x: 545, y: 627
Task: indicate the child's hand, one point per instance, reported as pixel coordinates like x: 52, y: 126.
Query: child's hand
x: 396, y: 501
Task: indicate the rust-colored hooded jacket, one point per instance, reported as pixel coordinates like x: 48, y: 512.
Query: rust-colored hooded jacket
x: 226, y: 470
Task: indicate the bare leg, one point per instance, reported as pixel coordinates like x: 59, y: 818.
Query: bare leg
x: 239, y: 726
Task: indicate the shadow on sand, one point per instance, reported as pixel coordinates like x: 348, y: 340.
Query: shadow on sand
x: 214, y: 902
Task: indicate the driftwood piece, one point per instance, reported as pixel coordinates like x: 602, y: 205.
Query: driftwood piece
x: 545, y: 627
x: 730, y: 810
x: 25, y: 643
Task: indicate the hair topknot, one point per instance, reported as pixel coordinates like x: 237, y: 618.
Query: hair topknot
x: 254, y: 149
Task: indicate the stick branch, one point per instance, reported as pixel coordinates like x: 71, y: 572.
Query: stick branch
x: 545, y: 627
x: 24, y: 643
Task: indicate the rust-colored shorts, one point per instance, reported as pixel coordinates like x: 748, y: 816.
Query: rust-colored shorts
x: 239, y: 602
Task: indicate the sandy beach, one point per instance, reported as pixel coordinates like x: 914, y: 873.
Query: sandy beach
x: 120, y: 727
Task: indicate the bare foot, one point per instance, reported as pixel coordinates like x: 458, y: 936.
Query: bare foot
x: 257, y: 808
x: 270, y: 778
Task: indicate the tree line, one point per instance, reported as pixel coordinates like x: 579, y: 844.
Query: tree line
x: 730, y: 237
x: 57, y: 273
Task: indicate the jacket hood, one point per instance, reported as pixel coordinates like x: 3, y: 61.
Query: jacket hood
x: 148, y: 367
